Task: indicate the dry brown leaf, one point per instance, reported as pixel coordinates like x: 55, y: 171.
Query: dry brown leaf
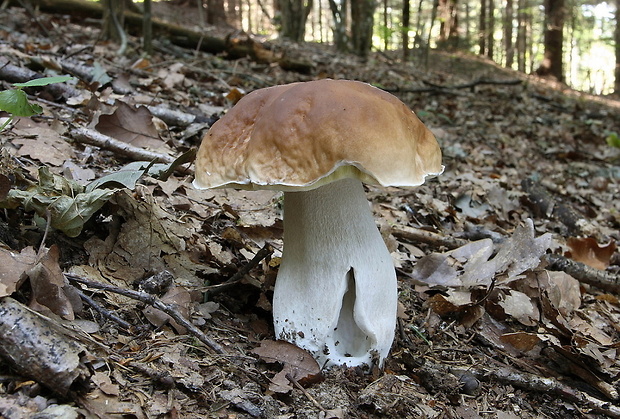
x: 296, y: 363
x: 177, y: 297
x: 42, y: 143
x: 50, y: 289
x: 12, y: 267
x: 522, y: 341
x: 520, y: 307
x: 589, y: 252
x: 131, y: 125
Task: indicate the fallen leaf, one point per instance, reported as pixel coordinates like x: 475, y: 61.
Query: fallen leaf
x: 297, y: 364
x: 589, y: 252
x: 50, y: 289
x: 131, y: 125
x: 12, y: 267
x: 180, y: 299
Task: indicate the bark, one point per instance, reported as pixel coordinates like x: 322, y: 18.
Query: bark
x: 552, y: 64
x: 491, y: 28
x: 617, y: 41
x: 482, y: 34
x: 405, y: 28
x: 522, y: 25
x: 508, y: 32
x: 293, y: 15
x: 216, y: 13
x: 362, y: 21
x: 339, y: 14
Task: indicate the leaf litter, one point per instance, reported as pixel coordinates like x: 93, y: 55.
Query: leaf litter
x: 485, y: 328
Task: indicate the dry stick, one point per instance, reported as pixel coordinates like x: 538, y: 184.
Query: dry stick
x: 158, y: 304
x: 532, y: 382
x: 103, y: 312
x: 584, y: 273
x: 263, y: 253
x: 416, y: 235
x: 303, y: 390
x: 95, y: 138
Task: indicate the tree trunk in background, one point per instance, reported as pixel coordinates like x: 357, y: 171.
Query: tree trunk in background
x: 386, y: 25
x: 448, y: 17
x: 339, y: 13
x: 490, y: 28
x: 216, y: 13
x: 362, y: 20
x: 482, y: 34
x: 521, y: 34
x: 552, y: 64
x: 508, y: 45
x: 419, y: 27
x: 293, y: 15
x: 405, y: 28
x: 617, y: 41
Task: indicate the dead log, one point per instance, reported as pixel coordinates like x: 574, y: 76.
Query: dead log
x: 179, y: 35
x: 34, y: 347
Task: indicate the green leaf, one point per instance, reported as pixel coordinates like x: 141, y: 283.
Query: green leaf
x: 44, y: 81
x: 125, y: 177
x: 68, y: 206
x: 613, y: 140
x: 16, y: 103
x: 70, y: 213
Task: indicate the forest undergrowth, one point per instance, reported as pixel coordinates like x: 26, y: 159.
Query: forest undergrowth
x: 160, y: 295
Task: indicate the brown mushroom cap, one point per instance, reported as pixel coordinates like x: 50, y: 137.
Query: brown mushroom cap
x: 299, y: 136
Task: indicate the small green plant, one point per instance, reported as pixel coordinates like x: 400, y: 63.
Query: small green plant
x: 15, y: 101
x: 613, y: 139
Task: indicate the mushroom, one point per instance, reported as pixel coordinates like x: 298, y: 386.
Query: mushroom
x: 336, y: 291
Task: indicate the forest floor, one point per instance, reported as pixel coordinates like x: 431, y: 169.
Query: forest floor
x: 507, y: 262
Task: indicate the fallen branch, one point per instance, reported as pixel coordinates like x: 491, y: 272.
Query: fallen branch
x: 532, y: 382
x: 89, y: 136
x: 156, y: 303
x: 417, y: 235
x: 584, y: 273
x: 34, y: 347
x: 548, y: 205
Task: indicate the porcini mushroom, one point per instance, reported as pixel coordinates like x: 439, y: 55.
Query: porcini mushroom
x: 336, y: 292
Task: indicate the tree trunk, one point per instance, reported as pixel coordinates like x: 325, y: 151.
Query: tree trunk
x: 508, y: 44
x: 216, y: 13
x: 448, y: 17
x: 339, y: 14
x: 617, y: 41
x: 491, y: 28
x: 521, y: 35
x: 552, y: 64
x: 405, y: 28
x: 482, y: 34
x: 294, y: 14
x: 362, y: 20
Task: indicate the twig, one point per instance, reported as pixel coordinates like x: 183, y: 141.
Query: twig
x: 103, y: 312
x: 303, y: 390
x: 416, y: 235
x: 263, y: 253
x: 532, y: 382
x: 156, y: 303
x: 95, y: 138
x: 584, y: 273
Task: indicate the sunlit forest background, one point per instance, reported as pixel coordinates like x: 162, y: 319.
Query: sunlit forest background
x: 572, y: 40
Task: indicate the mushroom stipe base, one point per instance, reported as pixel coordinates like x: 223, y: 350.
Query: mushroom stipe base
x: 336, y: 292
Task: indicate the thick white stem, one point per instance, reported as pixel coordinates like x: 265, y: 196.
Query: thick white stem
x: 335, y: 294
